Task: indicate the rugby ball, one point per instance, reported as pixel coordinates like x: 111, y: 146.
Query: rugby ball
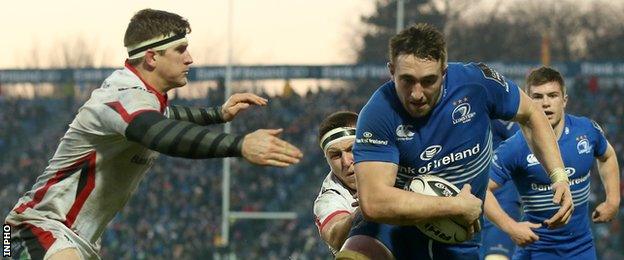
x: 444, y: 230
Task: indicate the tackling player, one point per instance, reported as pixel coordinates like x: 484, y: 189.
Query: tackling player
x: 336, y: 205
x: 434, y: 118
x: 116, y: 136
x: 581, y: 142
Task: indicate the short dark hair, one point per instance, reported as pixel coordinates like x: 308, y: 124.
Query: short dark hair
x: 422, y: 40
x: 149, y: 23
x: 543, y: 75
x: 335, y: 120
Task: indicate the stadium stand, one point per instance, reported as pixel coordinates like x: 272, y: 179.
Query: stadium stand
x: 176, y: 211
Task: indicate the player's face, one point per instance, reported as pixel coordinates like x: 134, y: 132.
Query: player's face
x: 552, y: 100
x: 173, y: 65
x: 417, y: 83
x: 340, y: 159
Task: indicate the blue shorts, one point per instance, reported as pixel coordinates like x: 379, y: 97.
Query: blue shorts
x: 585, y: 252
x: 495, y: 241
x: 407, y: 242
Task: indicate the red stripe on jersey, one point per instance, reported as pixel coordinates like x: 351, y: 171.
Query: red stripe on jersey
x: 162, y: 98
x: 45, y: 238
x: 118, y: 107
x: 332, y: 215
x: 58, y: 176
x: 82, y: 192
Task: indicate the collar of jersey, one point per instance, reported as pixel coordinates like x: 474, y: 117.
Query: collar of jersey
x: 162, y: 98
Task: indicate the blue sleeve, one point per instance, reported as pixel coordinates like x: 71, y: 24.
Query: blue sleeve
x: 503, y: 162
x: 374, y: 135
x: 600, y: 141
x: 502, y: 95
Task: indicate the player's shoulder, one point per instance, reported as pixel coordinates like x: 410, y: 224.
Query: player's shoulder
x: 584, y: 123
x: 123, y: 81
x: 331, y: 184
x: 383, y: 101
x: 331, y: 190
x: 475, y: 73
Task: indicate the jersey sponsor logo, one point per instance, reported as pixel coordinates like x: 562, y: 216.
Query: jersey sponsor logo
x: 531, y: 160
x: 570, y: 171
x: 404, y: 132
x: 430, y: 152
x: 449, y: 158
x: 491, y: 74
x: 368, y: 139
x: 547, y: 187
x: 143, y: 160
x: 583, y: 145
x: 461, y: 113
x: 407, y: 170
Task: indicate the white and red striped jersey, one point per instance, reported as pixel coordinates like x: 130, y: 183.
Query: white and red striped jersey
x: 333, y: 199
x: 95, y: 169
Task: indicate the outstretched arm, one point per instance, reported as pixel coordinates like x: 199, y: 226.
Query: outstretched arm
x: 188, y: 140
x: 197, y: 115
x: 219, y: 114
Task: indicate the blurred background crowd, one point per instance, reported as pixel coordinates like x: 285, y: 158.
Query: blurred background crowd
x: 176, y: 210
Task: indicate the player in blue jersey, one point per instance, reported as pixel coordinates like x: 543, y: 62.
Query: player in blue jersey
x: 496, y: 244
x: 581, y: 142
x: 434, y: 118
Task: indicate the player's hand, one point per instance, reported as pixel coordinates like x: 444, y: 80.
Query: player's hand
x: 264, y: 147
x: 470, y: 210
x: 605, y: 212
x: 239, y: 102
x: 522, y: 232
x: 562, y: 197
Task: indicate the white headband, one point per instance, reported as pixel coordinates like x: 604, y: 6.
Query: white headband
x: 336, y: 135
x: 159, y: 43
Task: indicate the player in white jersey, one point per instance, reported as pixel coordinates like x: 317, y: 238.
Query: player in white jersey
x: 116, y: 136
x: 336, y: 205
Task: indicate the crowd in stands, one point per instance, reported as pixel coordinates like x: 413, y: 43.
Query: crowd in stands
x: 176, y: 211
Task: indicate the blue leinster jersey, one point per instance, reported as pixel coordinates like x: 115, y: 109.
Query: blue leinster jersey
x: 454, y: 141
x: 581, y: 141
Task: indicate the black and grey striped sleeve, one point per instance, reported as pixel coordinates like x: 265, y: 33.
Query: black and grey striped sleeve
x: 200, y: 116
x: 181, y: 139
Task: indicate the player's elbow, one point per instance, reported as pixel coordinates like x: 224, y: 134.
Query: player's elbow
x: 371, y: 207
x: 336, y: 240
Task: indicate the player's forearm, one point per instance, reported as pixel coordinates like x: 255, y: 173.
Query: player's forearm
x: 200, y: 116
x: 180, y: 138
x: 495, y: 213
x: 541, y: 138
x: 610, y: 175
x: 395, y: 206
x: 336, y: 233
